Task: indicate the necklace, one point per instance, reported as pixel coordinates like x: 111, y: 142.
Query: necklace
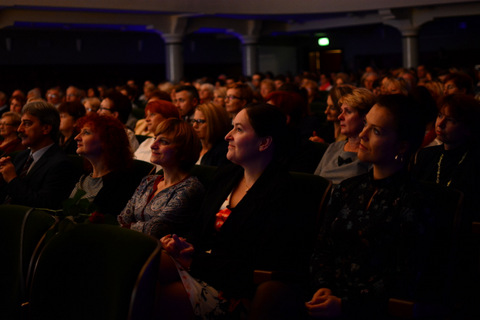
x: 439, y: 164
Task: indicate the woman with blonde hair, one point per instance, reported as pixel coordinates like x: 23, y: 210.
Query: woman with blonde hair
x: 219, y: 95
x: 211, y: 123
x: 266, y: 87
x: 391, y: 85
x: 340, y: 161
x: 92, y: 104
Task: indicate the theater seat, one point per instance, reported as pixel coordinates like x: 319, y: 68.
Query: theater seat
x: 433, y: 298
x: 22, y: 230
x: 204, y: 173
x: 95, y: 272
x: 142, y: 168
x: 311, y: 194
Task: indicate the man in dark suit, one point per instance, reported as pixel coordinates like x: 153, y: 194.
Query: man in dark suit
x: 41, y: 176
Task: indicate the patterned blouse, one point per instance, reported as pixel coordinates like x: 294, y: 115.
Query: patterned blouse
x: 368, y: 250
x: 169, y: 211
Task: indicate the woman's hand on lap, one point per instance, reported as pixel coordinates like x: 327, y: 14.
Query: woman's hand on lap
x: 324, y: 304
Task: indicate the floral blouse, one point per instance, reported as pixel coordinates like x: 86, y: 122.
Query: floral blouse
x: 169, y: 211
x: 368, y: 249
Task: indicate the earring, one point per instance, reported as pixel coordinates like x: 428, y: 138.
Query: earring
x: 399, y: 157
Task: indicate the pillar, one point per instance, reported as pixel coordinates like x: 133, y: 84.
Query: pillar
x: 249, y: 54
x: 410, y: 47
x: 174, y: 57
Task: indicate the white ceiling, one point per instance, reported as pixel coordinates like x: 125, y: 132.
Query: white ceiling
x: 284, y: 7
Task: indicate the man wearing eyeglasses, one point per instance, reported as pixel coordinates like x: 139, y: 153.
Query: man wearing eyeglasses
x: 238, y: 96
x: 119, y: 106
x: 74, y: 94
x: 186, y: 99
x: 54, y: 96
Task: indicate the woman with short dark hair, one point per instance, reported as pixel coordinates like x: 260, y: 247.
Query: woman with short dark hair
x: 69, y: 112
x: 454, y: 163
x: 165, y: 203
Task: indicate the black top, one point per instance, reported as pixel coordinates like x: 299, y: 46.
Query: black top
x: 217, y: 155
x: 118, y: 188
x: 257, y: 235
x: 458, y: 169
x: 69, y: 145
x: 373, y: 243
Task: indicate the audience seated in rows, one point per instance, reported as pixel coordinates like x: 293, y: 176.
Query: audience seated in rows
x: 373, y: 253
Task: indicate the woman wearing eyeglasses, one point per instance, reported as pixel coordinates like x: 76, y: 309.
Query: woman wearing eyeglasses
x: 8, y: 130
x: 238, y: 96
x: 211, y: 123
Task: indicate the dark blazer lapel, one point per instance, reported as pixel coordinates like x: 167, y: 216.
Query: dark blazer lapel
x: 251, y: 201
x: 20, y: 160
x: 44, y: 159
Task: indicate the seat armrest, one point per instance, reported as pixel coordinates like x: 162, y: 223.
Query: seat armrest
x: 401, y: 309
x: 261, y: 276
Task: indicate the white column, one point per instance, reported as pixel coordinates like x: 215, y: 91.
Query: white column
x: 410, y: 47
x: 174, y: 56
x: 408, y: 25
x: 249, y: 54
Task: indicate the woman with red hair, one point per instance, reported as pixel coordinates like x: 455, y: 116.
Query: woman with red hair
x: 155, y: 112
x: 103, y: 142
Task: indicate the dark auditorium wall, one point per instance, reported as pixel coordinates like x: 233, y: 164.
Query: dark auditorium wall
x: 45, y: 57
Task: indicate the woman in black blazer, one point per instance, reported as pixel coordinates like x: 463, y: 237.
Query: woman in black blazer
x: 245, y: 224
